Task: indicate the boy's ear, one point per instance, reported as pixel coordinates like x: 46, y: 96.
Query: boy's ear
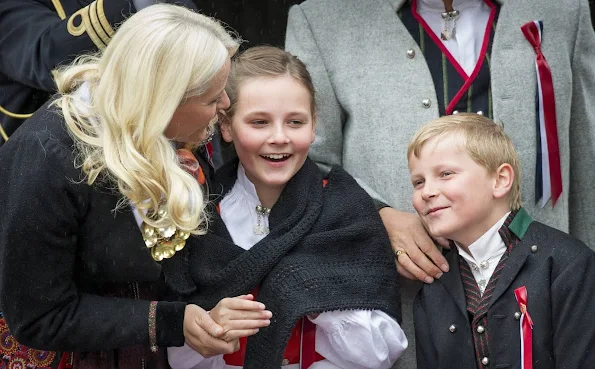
x: 504, y: 177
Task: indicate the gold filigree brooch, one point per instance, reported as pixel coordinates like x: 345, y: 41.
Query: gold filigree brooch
x: 164, y: 242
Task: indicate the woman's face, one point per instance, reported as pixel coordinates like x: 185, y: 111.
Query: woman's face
x: 190, y: 121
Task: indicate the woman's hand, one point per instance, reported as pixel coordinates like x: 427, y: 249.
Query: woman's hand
x: 416, y: 254
x: 240, y: 316
x: 203, y: 335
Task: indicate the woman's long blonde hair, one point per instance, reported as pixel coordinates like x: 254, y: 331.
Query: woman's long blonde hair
x: 159, y: 57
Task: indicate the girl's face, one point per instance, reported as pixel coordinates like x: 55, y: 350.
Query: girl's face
x: 272, y: 129
x: 192, y: 118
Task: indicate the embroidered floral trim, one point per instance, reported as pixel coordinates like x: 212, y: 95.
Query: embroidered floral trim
x: 13, y: 355
x: 152, y: 326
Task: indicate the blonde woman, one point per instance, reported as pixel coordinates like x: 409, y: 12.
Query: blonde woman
x: 94, y: 194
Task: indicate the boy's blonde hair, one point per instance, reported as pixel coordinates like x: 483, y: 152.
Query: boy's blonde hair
x: 485, y: 142
x: 158, y: 58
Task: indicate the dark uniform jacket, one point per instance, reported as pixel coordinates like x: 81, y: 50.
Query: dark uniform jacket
x: 558, y: 272
x: 74, y: 274
x: 38, y: 35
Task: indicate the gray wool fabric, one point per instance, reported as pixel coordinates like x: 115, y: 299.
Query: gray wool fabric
x: 370, y: 101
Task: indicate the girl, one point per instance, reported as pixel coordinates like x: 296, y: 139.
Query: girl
x: 312, y: 248
x: 75, y: 272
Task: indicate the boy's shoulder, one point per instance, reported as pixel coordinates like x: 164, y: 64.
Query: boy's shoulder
x: 551, y: 242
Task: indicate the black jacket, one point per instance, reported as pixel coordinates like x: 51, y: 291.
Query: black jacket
x: 558, y: 272
x: 74, y: 274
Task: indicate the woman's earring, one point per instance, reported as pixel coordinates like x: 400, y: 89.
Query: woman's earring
x: 210, y: 134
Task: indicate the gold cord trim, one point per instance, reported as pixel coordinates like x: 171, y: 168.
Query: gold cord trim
x: 103, y: 19
x: 59, y: 9
x: 91, y: 32
x: 96, y: 24
x: 14, y: 115
x: 80, y: 29
x: 84, y: 26
x: 3, y: 134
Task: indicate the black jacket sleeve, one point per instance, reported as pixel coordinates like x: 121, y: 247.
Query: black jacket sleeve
x: 427, y: 358
x: 573, y: 310
x: 36, y: 36
x: 43, y: 202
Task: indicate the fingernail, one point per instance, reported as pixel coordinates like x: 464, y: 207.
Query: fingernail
x: 261, y: 306
x: 444, y: 268
x: 217, y: 331
x: 439, y: 275
x: 429, y: 280
x: 268, y: 314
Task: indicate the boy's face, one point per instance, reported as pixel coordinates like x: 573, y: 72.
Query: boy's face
x: 453, y: 195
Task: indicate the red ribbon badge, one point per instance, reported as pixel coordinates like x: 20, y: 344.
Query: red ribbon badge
x: 526, y: 325
x: 546, y: 115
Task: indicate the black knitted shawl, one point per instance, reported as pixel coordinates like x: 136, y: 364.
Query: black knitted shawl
x: 327, y: 250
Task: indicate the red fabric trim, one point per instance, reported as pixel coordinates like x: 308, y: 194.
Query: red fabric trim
x: 309, y: 354
x: 65, y: 361
x: 484, y: 48
x: 296, y: 343
x: 531, y: 32
x: 437, y: 40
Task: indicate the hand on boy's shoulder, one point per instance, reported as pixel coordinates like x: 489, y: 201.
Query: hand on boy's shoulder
x: 416, y: 254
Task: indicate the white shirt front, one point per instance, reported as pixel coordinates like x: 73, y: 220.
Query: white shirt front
x: 485, y: 253
x: 347, y: 339
x: 470, y: 28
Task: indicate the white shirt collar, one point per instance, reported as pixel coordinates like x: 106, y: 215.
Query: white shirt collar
x: 238, y: 211
x: 485, y: 254
x: 486, y: 246
x: 438, y: 5
x: 246, y: 187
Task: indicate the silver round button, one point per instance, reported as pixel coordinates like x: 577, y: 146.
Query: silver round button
x: 480, y: 112
x: 452, y: 328
x: 517, y: 315
x: 480, y: 329
x: 485, y: 360
x: 411, y: 53
x: 426, y: 103
x: 534, y: 248
x: 455, y: 112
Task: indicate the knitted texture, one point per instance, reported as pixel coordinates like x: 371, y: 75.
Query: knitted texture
x: 327, y: 250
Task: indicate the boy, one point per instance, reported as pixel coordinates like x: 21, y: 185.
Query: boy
x: 518, y: 292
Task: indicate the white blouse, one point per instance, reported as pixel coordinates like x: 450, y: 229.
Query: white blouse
x: 470, y: 28
x: 347, y: 339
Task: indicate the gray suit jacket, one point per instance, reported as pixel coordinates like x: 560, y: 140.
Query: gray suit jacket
x: 370, y: 99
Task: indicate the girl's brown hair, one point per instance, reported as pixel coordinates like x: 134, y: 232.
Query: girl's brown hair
x: 266, y: 61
